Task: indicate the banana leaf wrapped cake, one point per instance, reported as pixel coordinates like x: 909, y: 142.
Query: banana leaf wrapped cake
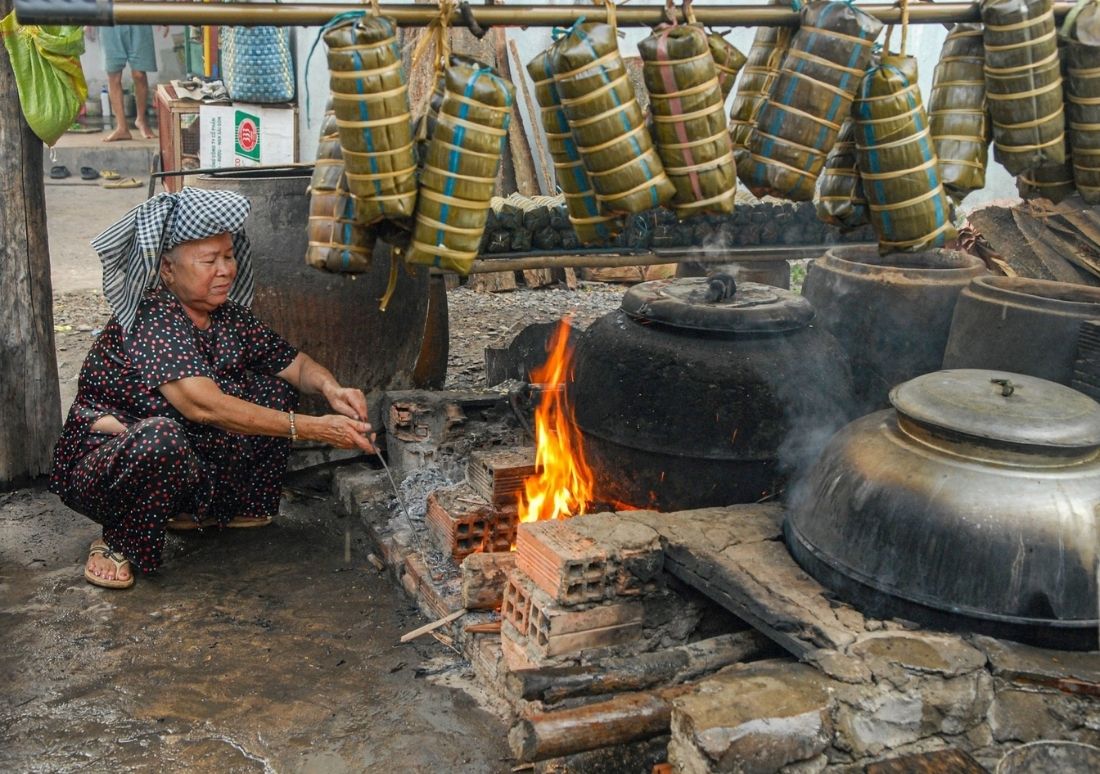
x: 1050, y: 181
x: 1023, y: 82
x: 728, y: 61
x: 460, y: 168
x: 910, y: 210
x: 370, y: 98
x: 769, y: 47
x: 957, y: 111
x: 1082, y: 34
x: 593, y: 226
x: 840, y: 199
x: 607, y: 123
x: 798, y: 124
x: 689, y: 116
x: 328, y: 169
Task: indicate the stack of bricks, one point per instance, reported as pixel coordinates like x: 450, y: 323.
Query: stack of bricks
x: 480, y: 514
x: 578, y: 585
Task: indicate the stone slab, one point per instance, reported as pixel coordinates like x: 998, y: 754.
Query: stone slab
x: 1068, y: 671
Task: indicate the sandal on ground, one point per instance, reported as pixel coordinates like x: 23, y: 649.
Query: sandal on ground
x: 248, y: 522
x: 109, y: 174
x: 184, y: 523
x: 99, y: 548
x: 60, y: 172
x: 130, y: 182
x: 88, y: 173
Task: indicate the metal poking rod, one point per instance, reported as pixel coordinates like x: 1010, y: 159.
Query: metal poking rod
x: 108, y: 13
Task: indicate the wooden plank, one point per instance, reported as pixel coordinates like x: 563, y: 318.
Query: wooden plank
x: 949, y: 761
x: 527, y: 181
x: 495, y: 282
x: 546, y: 165
x: 30, y: 401
x: 430, y: 627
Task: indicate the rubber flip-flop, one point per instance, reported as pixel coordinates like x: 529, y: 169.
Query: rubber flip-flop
x: 130, y: 182
x: 87, y: 173
x: 184, y: 523
x: 108, y: 174
x: 248, y: 522
x: 60, y: 172
x: 99, y: 548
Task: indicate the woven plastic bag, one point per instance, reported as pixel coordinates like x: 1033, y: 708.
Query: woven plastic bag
x: 910, y: 211
x: 460, y: 170
x: 769, y: 47
x: 958, y: 114
x: 606, y: 121
x: 728, y: 61
x: 1023, y: 83
x: 593, y: 227
x: 48, y: 75
x: 337, y: 240
x: 840, y: 199
x: 689, y: 116
x: 257, y: 65
x: 798, y: 124
x: 1081, y: 32
x: 370, y: 98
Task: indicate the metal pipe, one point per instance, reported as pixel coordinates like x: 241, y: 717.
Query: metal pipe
x: 107, y: 13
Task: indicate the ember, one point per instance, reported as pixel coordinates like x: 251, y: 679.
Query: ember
x: 562, y: 484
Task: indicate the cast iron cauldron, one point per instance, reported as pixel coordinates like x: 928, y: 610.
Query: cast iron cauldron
x: 891, y: 313
x: 972, y: 505
x: 1029, y: 326
x: 692, y: 395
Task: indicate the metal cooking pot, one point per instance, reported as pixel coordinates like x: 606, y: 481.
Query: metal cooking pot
x: 1029, y: 326
x: 698, y: 392
x: 973, y: 505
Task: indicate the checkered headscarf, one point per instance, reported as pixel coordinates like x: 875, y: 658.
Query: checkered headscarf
x: 132, y: 247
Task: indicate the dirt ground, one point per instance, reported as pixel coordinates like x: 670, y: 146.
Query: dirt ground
x: 266, y: 650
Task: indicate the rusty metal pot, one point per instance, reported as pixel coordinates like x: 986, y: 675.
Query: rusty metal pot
x: 891, y: 313
x: 686, y: 401
x: 972, y: 505
x: 1029, y: 326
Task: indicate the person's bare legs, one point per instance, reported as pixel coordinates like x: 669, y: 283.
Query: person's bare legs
x: 141, y: 97
x: 114, y: 90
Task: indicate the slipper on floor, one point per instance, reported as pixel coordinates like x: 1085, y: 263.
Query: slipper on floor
x: 184, y: 523
x: 129, y: 182
x: 60, y: 172
x: 99, y: 548
x: 248, y: 522
x: 87, y: 173
x: 109, y: 174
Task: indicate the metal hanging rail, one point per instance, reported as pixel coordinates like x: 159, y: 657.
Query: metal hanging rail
x: 106, y: 13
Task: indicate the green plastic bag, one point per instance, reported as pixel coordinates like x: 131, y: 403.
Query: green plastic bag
x: 48, y: 75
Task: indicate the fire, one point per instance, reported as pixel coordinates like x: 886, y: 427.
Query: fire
x: 562, y: 484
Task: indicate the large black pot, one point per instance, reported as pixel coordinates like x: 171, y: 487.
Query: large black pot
x: 687, y: 403
x: 972, y: 505
x: 332, y: 317
x: 891, y: 313
x: 1029, y: 326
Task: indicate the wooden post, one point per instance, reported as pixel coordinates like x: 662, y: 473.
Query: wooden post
x: 30, y: 399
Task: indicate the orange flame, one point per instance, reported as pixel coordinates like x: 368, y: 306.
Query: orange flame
x: 563, y: 482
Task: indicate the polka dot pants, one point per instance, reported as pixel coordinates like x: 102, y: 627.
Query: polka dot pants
x: 159, y: 468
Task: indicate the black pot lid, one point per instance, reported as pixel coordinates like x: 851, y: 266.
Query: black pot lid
x: 697, y: 303
x: 1001, y: 407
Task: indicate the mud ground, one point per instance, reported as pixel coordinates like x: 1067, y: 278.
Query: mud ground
x: 266, y: 650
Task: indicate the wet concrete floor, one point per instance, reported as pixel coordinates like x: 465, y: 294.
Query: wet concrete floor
x: 251, y: 650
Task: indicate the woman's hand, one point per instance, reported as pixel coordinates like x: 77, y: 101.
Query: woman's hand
x: 347, y: 401
x: 337, y: 430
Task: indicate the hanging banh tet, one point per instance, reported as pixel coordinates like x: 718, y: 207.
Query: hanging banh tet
x: 1023, y: 83
x: 1081, y: 31
x: 606, y: 120
x: 328, y: 169
x: 840, y: 199
x: 371, y: 101
x: 799, y: 122
x: 593, y: 227
x: 728, y: 61
x: 425, y: 125
x: 337, y: 240
x: 769, y: 47
x: 910, y: 211
x: 689, y: 116
x: 460, y: 169
x: 958, y: 114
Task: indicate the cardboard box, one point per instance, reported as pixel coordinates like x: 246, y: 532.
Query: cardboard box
x: 245, y: 135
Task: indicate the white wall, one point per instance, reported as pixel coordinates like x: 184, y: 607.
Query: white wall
x: 169, y: 60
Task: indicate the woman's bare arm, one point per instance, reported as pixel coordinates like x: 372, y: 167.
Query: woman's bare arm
x: 311, y: 378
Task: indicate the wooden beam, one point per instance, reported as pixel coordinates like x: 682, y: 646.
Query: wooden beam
x: 30, y: 399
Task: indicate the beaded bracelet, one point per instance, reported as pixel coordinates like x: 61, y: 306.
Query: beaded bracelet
x: 293, y: 428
